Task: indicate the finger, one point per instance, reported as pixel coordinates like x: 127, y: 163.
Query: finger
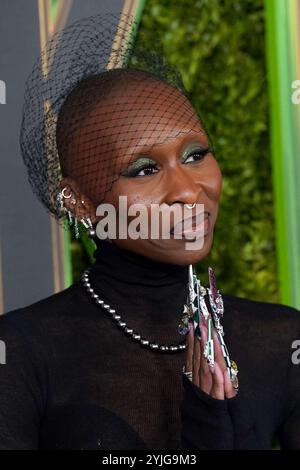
x: 205, y: 379
x: 189, y: 350
x: 230, y: 392
x: 219, y: 357
x: 217, y: 390
x: 196, y: 360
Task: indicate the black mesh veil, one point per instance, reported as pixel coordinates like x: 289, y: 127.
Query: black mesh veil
x: 93, y: 103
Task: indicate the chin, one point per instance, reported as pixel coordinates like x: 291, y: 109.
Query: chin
x: 168, y: 251
x: 185, y: 257
x: 176, y: 253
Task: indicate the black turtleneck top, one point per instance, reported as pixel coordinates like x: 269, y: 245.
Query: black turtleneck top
x: 74, y: 380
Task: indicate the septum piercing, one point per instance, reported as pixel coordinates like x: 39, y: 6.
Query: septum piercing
x: 190, y: 206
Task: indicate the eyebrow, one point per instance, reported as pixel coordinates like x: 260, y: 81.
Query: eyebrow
x: 144, y: 149
x: 201, y: 145
x: 143, y: 153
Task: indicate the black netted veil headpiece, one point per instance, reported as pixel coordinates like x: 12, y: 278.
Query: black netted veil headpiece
x: 77, y: 99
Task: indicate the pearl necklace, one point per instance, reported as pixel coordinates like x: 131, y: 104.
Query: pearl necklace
x: 123, y: 326
x: 191, y: 313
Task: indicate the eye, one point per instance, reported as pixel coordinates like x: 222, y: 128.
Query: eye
x: 197, y: 155
x: 146, y: 171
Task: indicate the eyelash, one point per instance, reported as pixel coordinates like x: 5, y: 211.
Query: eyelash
x: 201, y: 153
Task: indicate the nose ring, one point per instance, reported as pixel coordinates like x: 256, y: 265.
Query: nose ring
x: 190, y: 206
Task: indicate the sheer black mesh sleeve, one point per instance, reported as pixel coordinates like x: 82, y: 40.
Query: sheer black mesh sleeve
x: 289, y: 429
x: 22, y: 386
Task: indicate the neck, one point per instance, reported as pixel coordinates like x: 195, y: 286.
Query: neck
x: 149, y: 295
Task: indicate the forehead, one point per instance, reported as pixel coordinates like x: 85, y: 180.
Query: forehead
x: 145, y: 99
x: 138, y: 115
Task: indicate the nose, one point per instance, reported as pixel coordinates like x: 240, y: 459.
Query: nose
x: 182, y: 188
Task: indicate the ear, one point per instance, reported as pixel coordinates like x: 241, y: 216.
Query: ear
x: 76, y: 201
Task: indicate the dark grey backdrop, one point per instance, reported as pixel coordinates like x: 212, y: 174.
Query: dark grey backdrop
x: 27, y: 252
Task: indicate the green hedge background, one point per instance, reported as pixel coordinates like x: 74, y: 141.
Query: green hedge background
x: 219, y: 48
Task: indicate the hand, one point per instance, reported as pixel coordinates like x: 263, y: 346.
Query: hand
x: 215, y: 382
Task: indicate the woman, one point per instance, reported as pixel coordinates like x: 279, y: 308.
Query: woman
x: 73, y: 378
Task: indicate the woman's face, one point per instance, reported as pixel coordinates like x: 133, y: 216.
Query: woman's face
x: 178, y: 170
x: 174, y: 176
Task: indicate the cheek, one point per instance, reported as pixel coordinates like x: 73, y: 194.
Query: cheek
x: 135, y: 193
x: 210, y: 178
x: 215, y: 178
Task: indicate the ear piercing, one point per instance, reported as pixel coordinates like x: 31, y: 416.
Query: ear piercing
x: 86, y: 221
x: 89, y: 226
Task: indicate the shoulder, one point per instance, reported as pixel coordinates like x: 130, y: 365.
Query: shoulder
x: 277, y: 319
x: 33, y: 334
x: 245, y: 306
x: 41, y: 313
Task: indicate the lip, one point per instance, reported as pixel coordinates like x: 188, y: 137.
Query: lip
x: 192, y: 226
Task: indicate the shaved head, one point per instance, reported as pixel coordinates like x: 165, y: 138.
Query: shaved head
x: 112, y: 118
